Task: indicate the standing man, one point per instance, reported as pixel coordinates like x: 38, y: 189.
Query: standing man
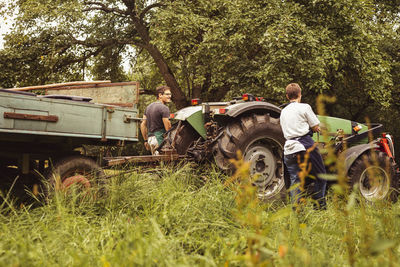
x: 298, y: 123
x: 156, y: 120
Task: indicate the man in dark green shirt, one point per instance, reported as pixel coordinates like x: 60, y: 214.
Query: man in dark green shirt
x: 156, y: 120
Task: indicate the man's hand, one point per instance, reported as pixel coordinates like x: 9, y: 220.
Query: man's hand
x: 147, y: 146
x: 316, y: 128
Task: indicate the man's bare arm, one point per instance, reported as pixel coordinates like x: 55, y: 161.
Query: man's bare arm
x: 143, y: 129
x: 167, y: 123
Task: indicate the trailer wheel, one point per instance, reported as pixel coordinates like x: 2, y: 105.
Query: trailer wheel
x: 375, y: 177
x: 260, y: 139
x: 76, y: 170
x: 184, y: 136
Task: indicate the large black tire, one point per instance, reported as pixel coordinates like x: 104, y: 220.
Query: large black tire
x: 74, y: 170
x: 184, y: 136
x: 375, y: 177
x: 259, y: 137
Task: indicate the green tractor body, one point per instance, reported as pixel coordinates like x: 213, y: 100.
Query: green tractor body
x: 219, y: 130
x: 195, y: 116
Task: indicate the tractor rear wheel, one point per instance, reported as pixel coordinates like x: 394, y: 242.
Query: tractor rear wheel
x: 259, y: 137
x: 375, y: 177
x: 182, y: 136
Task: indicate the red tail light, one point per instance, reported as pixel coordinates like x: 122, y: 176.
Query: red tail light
x: 172, y: 115
x: 357, y: 128
x: 196, y: 101
x: 220, y: 111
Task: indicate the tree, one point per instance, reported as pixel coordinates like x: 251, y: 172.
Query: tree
x: 216, y: 48
x: 28, y: 61
x: 107, y: 65
x: 219, y: 47
x: 81, y: 30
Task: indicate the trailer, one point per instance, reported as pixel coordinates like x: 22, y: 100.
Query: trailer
x: 41, y: 134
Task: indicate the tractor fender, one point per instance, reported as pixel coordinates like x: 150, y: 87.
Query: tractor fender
x: 354, y: 152
x: 263, y: 107
x: 185, y: 113
x: 194, y: 116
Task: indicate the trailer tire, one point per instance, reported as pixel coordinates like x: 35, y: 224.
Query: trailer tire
x: 74, y: 170
x: 385, y: 187
x: 259, y: 137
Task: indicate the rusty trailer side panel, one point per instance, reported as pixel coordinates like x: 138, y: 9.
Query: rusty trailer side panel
x: 32, y: 115
x: 124, y: 94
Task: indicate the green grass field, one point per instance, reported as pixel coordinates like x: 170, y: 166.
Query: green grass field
x: 183, y: 216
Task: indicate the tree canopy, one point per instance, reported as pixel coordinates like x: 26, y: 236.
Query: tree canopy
x: 214, y: 49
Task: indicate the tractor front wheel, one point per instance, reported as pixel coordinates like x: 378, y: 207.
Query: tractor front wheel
x: 375, y: 177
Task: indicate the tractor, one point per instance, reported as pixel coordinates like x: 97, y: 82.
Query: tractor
x: 217, y: 130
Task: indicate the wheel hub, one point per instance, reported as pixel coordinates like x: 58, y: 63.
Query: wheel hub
x: 76, y: 179
x: 374, y: 183
x: 262, y: 163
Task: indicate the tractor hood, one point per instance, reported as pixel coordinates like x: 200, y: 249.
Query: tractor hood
x: 332, y: 125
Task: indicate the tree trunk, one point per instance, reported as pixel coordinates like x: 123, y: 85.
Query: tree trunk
x: 178, y: 97
x: 219, y: 93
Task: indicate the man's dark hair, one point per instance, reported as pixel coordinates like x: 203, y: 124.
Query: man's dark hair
x: 161, y: 89
x: 293, y: 91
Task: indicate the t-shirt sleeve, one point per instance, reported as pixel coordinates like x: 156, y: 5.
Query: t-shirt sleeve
x: 311, y: 117
x: 165, y: 112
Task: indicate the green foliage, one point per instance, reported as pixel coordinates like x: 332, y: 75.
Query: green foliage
x: 107, y: 65
x: 33, y: 55
x: 145, y: 71
x: 260, y: 46
x: 48, y: 44
x: 216, y: 47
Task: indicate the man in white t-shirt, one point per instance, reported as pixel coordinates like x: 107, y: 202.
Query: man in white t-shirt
x: 298, y: 123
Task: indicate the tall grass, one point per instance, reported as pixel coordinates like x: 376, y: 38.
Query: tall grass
x: 183, y: 216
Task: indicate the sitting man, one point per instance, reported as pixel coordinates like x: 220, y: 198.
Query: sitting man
x: 156, y: 120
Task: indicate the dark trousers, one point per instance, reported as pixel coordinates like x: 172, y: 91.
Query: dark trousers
x: 317, y: 167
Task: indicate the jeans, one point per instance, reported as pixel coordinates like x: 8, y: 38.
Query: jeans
x: 317, y: 167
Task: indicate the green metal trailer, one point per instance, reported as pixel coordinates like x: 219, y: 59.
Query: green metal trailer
x: 43, y: 133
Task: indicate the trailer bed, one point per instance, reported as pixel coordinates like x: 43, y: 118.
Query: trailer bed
x: 29, y: 118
